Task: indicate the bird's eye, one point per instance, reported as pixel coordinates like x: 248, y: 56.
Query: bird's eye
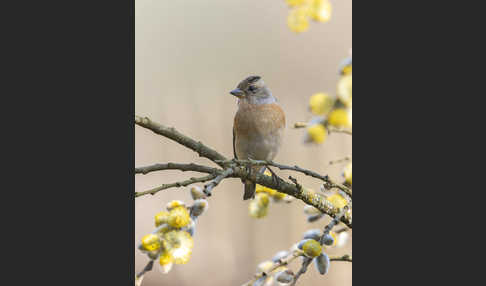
x: 252, y: 88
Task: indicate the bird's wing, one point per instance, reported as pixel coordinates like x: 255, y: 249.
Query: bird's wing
x: 234, y: 149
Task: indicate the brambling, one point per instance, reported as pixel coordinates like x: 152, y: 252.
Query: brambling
x: 258, y: 126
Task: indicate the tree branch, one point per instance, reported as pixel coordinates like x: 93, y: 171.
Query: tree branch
x: 173, y: 134
x: 326, y: 179
x: 331, y: 129
x: 307, y: 196
x: 176, y: 166
x: 345, y: 257
x: 176, y: 184
x: 147, y: 268
x: 300, y: 125
x: 339, y: 130
x: 239, y: 169
x: 342, y: 160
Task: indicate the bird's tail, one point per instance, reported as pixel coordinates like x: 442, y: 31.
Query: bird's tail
x: 249, y: 190
x: 250, y: 186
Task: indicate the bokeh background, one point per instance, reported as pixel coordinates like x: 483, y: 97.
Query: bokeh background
x: 189, y: 55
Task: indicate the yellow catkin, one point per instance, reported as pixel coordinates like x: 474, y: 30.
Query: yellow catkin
x: 339, y: 117
x: 151, y: 242
x: 298, y: 19
x: 312, y: 248
x: 179, y: 217
x: 174, y: 204
x: 257, y: 210
x: 179, y: 245
x: 320, y: 103
x: 165, y: 262
x: 321, y: 10
x: 317, y: 133
x: 165, y: 258
x: 337, y: 201
x: 161, y: 218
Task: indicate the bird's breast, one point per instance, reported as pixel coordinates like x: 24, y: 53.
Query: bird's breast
x: 258, y: 130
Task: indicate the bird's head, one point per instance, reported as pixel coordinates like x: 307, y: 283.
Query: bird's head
x: 253, y: 90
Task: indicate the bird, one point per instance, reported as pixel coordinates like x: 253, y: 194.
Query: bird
x: 258, y: 126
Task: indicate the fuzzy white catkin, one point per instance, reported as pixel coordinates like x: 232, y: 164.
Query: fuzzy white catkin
x: 280, y: 255
x: 328, y: 239
x: 322, y: 263
x: 199, y: 207
x: 197, y: 193
x: 314, y: 234
x: 285, y: 277
x: 165, y: 268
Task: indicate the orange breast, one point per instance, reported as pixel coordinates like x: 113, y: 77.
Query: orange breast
x: 258, y: 131
x: 261, y: 119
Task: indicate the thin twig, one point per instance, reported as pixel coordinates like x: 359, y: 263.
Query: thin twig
x: 176, y: 184
x: 294, y: 180
x: 209, y: 187
x: 346, y: 257
x: 300, y: 125
x: 330, y: 129
x: 333, y: 222
x: 176, y: 166
x: 146, y: 269
x: 282, y: 262
x: 302, y: 270
x: 342, y: 160
x: 339, y: 130
x: 341, y: 230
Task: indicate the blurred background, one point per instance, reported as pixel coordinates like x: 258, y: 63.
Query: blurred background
x: 189, y: 55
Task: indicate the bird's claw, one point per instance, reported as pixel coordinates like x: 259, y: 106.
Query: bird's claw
x: 248, y: 169
x: 275, y: 178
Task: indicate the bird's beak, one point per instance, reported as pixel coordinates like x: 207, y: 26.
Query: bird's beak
x: 238, y: 93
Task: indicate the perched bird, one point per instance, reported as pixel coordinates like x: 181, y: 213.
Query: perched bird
x: 258, y: 126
